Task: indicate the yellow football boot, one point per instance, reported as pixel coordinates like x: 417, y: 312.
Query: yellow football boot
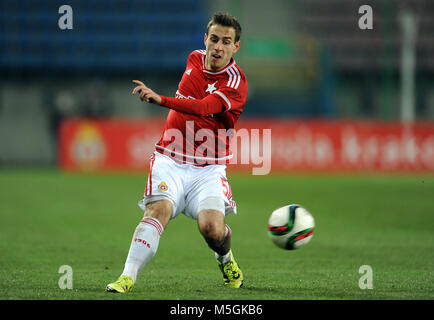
x: 232, y: 274
x: 123, y: 285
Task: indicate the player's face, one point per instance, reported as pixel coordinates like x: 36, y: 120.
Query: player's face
x: 220, y: 46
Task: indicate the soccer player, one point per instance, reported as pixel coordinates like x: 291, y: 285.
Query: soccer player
x: 188, y: 168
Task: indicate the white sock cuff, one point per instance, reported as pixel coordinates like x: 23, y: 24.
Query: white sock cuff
x: 154, y: 223
x: 223, y: 259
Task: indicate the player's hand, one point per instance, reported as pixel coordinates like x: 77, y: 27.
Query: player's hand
x: 146, y: 93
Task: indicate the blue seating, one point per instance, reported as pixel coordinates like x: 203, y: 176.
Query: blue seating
x: 106, y: 34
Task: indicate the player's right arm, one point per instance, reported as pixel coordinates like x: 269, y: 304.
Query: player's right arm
x: 146, y: 93
x: 201, y: 107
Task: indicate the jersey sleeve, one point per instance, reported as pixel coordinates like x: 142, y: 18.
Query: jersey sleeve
x: 195, y: 58
x: 233, y: 98
x: 203, y: 107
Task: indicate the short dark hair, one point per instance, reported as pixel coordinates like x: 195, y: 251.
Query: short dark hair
x: 225, y: 20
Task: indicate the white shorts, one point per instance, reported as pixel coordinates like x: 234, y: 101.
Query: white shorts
x: 186, y: 186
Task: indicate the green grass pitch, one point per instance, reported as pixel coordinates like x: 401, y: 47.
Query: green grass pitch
x: 50, y: 218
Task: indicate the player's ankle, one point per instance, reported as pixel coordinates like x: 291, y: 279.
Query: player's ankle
x: 223, y: 258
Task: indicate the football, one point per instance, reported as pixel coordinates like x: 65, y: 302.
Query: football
x: 291, y: 227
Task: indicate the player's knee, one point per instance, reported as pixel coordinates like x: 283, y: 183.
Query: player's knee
x: 160, y: 210
x: 211, y: 228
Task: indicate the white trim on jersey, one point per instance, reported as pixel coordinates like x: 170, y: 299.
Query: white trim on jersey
x: 230, y: 78
x: 221, y: 94
x: 194, y: 157
x: 239, y: 77
x: 201, y: 51
x: 181, y: 96
x: 234, y: 77
x: 225, y: 69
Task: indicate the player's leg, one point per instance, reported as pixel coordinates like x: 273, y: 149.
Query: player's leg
x: 144, y: 244
x: 217, y: 235
x: 209, y: 200
x: 146, y: 237
x: 162, y: 201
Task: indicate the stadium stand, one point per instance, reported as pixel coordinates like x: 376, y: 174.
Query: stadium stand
x: 335, y: 24
x: 111, y: 35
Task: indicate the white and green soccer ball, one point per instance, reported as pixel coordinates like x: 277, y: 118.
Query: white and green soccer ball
x: 291, y: 227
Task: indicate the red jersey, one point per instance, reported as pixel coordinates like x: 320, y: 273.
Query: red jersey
x: 207, y: 104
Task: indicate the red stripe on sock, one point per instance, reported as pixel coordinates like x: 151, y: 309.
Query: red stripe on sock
x: 154, y: 225
x: 153, y: 222
x: 229, y: 231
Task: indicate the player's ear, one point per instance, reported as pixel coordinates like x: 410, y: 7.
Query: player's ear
x: 237, y: 46
x: 204, y: 39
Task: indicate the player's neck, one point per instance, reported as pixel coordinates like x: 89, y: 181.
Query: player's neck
x: 207, y: 66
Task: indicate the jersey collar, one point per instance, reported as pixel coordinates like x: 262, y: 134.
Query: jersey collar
x: 231, y: 63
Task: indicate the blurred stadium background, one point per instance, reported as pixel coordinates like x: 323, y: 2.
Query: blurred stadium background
x: 303, y: 59
x: 336, y: 97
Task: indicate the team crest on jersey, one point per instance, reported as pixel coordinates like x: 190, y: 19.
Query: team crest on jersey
x: 163, y: 186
